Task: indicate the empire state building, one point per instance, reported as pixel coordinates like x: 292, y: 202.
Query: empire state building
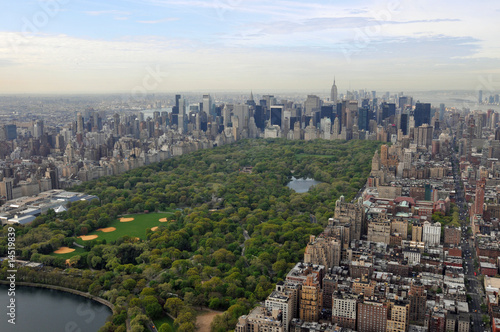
x: 333, y: 93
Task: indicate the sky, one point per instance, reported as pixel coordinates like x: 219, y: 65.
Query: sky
x: 150, y: 46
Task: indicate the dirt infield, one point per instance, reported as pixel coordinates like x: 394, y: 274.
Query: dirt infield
x: 154, y: 228
x: 64, y: 250
x: 126, y: 219
x: 163, y: 220
x: 107, y: 229
x: 88, y: 237
x: 204, y: 320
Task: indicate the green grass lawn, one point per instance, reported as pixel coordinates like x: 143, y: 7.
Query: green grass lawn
x: 135, y: 228
x: 77, y: 251
x: 160, y: 321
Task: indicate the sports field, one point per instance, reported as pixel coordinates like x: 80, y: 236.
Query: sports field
x: 133, y: 225
x: 68, y: 255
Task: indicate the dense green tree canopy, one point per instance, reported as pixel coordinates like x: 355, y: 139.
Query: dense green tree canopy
x: 235, y: 233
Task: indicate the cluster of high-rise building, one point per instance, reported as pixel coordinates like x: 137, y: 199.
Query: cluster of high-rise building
x: 57, y: 152
x: 384, y: 263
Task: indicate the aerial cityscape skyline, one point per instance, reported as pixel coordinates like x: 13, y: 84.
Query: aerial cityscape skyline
x: 61, y: 46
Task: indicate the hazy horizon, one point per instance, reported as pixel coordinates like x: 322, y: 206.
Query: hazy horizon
x: 161, y: 46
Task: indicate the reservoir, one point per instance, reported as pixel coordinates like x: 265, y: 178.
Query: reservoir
x: 41, y: 309
x: 301, y: 185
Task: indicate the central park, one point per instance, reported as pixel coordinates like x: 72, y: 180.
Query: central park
x: 190, y: 250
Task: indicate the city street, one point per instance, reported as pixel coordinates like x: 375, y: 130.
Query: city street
x: 474, y: 288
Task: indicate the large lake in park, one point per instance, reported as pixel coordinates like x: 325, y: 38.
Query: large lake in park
x: 41, y: 309
x: 301, y: 185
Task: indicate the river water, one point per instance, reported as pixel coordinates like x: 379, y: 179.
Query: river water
x: 41, y: 309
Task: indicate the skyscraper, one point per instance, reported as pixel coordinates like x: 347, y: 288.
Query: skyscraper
x: 312, y: 105
x: 418, y: 301
x: 422, y: 114
x: 333, y: 92
x: 79, y: 123
x: 38, y: 128
x: 10, y: 131
x: 276, y: 115
x: 480, y: 97
x: 207, y: 105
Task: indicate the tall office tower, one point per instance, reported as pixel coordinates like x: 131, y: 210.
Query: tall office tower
x: 242, y: 112
x: 312, y: 105
x: 59, y: 144
x: 276, y: 115
x: 182, y: 106
x: 268, y: 101
x: 351, y: 113
x: 441, y: 112
x: 96, y: 122
x: 343, y: 113
x: 208, y: 107
x: 226, y: 116
x: 372, y: 316
x: 404, y: 118
x: 364, y: 117
x: 479, y: 127
x: 418, y: 301
x: 333, y: 92
x: 177, y: 98
x: 79, y: 123
x: 327, y: 112
x: 310, y: 299
x: 52, y: 174
x: 10, y: 132
x: 365, y: 103
x: 116, y: 125
x: 259, y: 115
x: 479, y: 199
x: 497, y: 134
x: 405, y: 101
x: 156, y: 116
x: 489, y: 118
x: 480, y: 97
x: 422, y: 114
x: 38, y: 128
x: 388, y: 110
x: 326, y: 128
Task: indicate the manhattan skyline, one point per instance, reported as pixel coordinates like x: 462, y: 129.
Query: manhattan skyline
x: 64, y: 46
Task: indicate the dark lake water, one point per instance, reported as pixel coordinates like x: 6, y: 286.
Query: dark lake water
x: 302, y: 185
x: 40, y: 309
